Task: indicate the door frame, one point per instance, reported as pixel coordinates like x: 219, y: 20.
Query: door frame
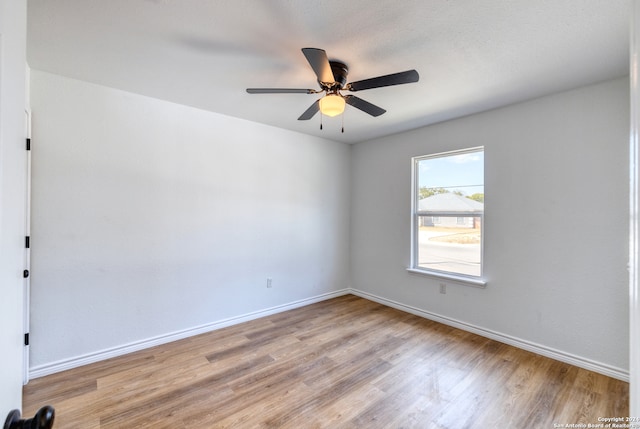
x: 27, y: 252
x: 634, y: 221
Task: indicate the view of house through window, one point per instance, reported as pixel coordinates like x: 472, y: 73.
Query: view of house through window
x: 448, y: 212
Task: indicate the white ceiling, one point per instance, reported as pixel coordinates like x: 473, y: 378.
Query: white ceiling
x: 472, y: 55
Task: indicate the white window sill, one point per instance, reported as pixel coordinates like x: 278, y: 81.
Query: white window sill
x: 468, y: 281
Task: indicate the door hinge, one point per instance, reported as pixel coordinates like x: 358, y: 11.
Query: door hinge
x: 28, y: 144
x: 26, y: 339
x: 27, y: 243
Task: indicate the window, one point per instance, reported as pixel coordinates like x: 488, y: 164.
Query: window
x: 448, y: 212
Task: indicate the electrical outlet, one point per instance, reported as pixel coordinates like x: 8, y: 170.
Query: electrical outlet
x: 443, y: 288
x: 269, y: 282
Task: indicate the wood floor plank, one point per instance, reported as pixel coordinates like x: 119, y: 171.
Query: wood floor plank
x: 341, y: 363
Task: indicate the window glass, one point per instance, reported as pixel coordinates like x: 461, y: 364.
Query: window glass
x: 448, y: 212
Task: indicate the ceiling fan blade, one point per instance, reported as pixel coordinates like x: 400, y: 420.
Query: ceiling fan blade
x: 365, y: 106
x: 310, y: 112
x: 408, y: 76
x: 319, y: 63
x: 280, y: 91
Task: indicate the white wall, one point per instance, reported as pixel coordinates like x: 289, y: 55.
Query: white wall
x: 151, y: 218
x: 12, y: 199
x: 556, y: 222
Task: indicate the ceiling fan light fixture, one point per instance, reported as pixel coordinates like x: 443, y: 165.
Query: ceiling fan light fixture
x: 332, y: 105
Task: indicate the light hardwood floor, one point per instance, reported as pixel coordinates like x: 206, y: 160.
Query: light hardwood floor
x: 342, y: 363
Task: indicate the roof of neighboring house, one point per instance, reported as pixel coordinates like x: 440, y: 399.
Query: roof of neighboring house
x: 449, y: 202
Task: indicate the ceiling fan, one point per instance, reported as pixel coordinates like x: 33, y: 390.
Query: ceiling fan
x: 332, y: 77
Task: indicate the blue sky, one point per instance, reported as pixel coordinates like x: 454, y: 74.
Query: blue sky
x: 463, y: 172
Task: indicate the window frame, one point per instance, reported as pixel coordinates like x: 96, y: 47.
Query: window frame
x: 471, y: 280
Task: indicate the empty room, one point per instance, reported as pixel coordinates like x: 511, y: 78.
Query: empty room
x: 318, y: 214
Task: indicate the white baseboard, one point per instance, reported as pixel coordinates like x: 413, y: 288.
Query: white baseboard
x: 549, y: 352
x: 74, y: 362
x: 62, y: 365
